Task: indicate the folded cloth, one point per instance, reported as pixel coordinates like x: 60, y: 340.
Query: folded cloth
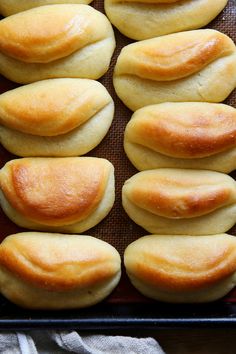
x: 47, y: 342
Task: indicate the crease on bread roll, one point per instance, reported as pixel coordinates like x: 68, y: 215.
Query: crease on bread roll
x: 182, y: 268
x: 55, y: 271
x: 11, y: 7
x: 174, y: 57
x: 57, y: 117
x: 194, y: 135
x: 143, y: 19
x: 181, y: 201
x: 57, y: 194
x: 66, y: 40
x: 189, y: 66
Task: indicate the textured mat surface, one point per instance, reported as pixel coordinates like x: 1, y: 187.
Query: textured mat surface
x: 117, y: 228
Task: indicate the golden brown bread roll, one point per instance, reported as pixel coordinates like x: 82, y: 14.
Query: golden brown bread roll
x: 182, y: 268
x: 188, y: 66
x: 11, y: 7
x: 57, y: 194
x: 57, y: 117
x: 143, y: 19
x: 182, y: 135
x: 180, y: 201
x: 55, y: 271
x: 66, y: 40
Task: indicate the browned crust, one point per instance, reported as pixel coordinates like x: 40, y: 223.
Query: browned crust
x: 194, y: 134
x: 162, y: 203
x: 174, y: 56
x: 94, y: 274
x: 55, y: 191
x: 68, y: 267
x: 51, y: 107
x: 181, y: 275
x: 44, y: 34
x: 174, y: 193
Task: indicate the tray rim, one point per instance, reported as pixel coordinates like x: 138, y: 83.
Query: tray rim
x: 111, y: 317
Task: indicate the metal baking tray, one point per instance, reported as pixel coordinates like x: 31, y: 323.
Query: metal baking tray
x: 108, y: 317
x: 125, y: 308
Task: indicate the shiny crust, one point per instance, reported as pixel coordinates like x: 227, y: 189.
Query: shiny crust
x: 55, y: 192
x: 180, y: 194
x: 183, y: 130
x: 52, y: 107
x: 173, y: 57
x: 67, y: 262
x: 77, y: 142
x: 181, y: 264
x: 55, y: 41
x: 192, y: 66
x: 48, y: 33
x: 10, y: 7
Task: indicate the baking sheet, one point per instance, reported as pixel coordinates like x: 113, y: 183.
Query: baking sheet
x: 117, y: 228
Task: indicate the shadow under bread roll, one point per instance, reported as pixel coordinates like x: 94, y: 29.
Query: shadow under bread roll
x: 70, y: 194
x: 180, y: 201
x: 195, y: 135
x: 197, y: 66
x: 11, y: 7
x: 55, y: 271
x: 57, y: 117
x: 66, y: 40
x: 182, y: 269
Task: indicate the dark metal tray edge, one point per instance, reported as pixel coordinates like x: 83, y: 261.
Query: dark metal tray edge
x: 110, y: 317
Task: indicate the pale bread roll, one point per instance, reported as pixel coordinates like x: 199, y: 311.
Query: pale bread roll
x: 143, y: 19
x: 196, y: 135
x: 55, y: 271
x: 180, y: 201
x: 55, y: 41
x: 57, y: 117
x: 188, y: 66
x: 185, y: 269
x: 11, y: 7
x: 69, y: 194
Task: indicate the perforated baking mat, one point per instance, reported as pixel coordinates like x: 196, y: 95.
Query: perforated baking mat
x: 117, y: 228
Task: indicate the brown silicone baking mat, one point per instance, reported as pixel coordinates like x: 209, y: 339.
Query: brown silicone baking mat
x: 117, y: 228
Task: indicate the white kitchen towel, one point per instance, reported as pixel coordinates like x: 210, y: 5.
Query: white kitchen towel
x: 56, y: 342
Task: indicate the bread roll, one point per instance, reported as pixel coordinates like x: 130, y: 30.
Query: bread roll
x: 11, y: 7
x: 182, y: 268
x: 143, y: 19
x: 57, y: 117
x: 182, y: 135
x: 55, y: 41
x: 188, y: 66
x: 55, y: 271
x: 69, y: 194
x: 181, y: 202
